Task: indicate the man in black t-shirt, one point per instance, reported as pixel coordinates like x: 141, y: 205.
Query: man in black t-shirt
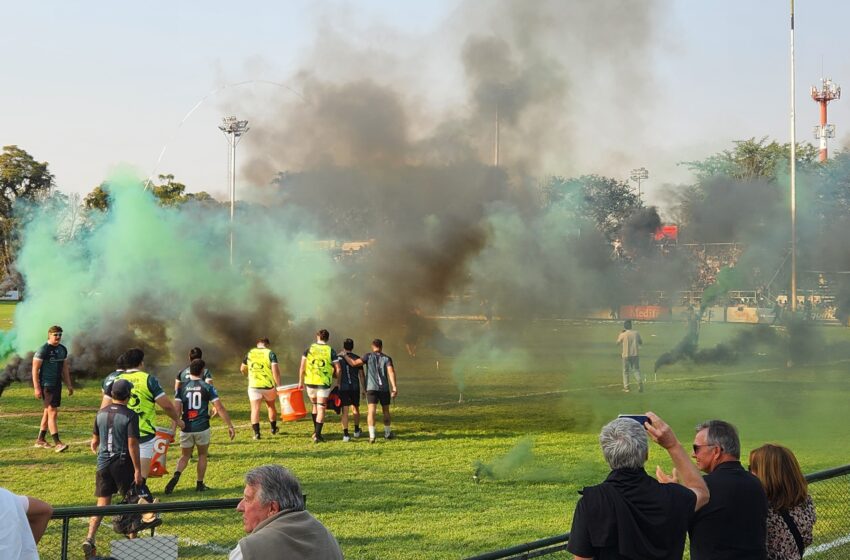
x: 351, y: 378
x: 733, y: 526
x: 631, y: 515
x: 115, y: 440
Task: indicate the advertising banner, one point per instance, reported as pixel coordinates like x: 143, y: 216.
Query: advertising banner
x: 645, y: 312
x: 741, y: 314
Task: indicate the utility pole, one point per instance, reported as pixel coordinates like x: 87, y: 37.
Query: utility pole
x: 793, y: 174
x: 639, y: 174
x: 233, y: 130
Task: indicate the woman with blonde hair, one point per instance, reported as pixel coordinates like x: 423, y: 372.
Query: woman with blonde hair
x: 791, y: 515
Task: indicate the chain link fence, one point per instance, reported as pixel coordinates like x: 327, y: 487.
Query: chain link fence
x: 830, y: 491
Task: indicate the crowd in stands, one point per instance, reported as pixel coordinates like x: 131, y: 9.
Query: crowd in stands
x: 763, y: 512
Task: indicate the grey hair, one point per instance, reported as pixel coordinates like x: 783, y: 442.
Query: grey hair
x: 276, y: 484
x: 723, y: 435
x: 624, y: 444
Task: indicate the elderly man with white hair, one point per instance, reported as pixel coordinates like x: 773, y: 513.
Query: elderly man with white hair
x: 277, y: 524
x: 631, y: 515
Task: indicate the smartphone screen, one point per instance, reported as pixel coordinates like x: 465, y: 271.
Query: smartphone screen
x: 641, y: 418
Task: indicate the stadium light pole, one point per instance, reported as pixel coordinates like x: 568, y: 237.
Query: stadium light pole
x: 793, y: 175
x: 233, y: 130
x: 639, y: 174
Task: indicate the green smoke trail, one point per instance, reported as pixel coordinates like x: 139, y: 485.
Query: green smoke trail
x: 159, y: 277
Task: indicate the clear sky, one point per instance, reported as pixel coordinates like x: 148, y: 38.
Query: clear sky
x: 89, y: 85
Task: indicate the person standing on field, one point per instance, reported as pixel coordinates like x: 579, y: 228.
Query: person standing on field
x: 183, y: 375
x: 350, y: 380
x: 146, y: 394
x: 193, y: 403
x: 49, y: 369
x: 263, y: 371
x: 630, y: 342
x: 380, y: 385
x: 115, y: 440
x: 319, y: 367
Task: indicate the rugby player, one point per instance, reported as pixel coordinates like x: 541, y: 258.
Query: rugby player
x: 350, y: 378
x: 193, y: 402
x: 115, y: 440
x: 144, y: 396
x: 380, y: 385
x: 263, y: 371
x: 183, y: 375
x: 49, y: 369
x: 319, y: 367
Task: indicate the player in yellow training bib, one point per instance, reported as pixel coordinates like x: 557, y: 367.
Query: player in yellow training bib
x: 263, y: 371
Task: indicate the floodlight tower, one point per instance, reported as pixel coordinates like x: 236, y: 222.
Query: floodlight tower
x: 233, y: 130
x: 639, y: 174
x: 828, y: 92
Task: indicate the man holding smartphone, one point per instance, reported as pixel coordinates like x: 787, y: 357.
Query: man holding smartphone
x: 631, y: 515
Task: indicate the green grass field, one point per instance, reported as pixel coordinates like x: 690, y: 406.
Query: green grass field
x: 534, y: 422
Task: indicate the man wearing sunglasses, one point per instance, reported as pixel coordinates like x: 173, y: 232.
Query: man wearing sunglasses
x: 734, y: 523
x: 49, y: 369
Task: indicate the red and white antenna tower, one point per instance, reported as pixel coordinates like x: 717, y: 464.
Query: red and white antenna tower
x: 828, y: 92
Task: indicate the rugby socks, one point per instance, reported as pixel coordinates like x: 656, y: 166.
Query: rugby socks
x: 371, y: 432
x: 319, y: 426
x: 387, y: 430
x: 345, y: 432
x: 55, y: 437
x: 274, y: 428
x: 314, y: 422
x: 42, y: 435
x: 356, y: 428
x: 256, y: 428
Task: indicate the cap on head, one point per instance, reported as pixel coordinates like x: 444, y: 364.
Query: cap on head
x: 121, y: 390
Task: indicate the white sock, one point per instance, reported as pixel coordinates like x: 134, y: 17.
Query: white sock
x: 387, y: 430
x: 372, y: 432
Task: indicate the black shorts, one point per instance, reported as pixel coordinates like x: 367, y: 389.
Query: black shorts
x: 348, y: 398
x: 375, y: 397
x: 114, y: 478
x: 51, y: 396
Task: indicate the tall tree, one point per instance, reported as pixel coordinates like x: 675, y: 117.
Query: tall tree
x: 606, y: 201
x: 22, y: 178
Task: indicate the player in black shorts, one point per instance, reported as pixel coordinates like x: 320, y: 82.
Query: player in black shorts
x: 380, y: 385
x: 351, y: 378
x: 115, y: 439
x: 49, y: 369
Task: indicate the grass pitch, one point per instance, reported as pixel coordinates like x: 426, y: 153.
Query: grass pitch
x: 532, y: 420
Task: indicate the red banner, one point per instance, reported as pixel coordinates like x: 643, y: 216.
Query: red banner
x: 645, y: 312
x: 669, y: 231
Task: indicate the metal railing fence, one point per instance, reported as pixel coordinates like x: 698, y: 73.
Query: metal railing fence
x: 202, y: 529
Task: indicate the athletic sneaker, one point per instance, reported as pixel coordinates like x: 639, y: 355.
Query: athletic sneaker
x: 318, y: 439
x: 358, y: 433
x: 390, y: 435
x: 626, y: 391
x: 60, y: 447
x: 346, y: 438
x: 275, y: 430
x: 371, y: 440
x: 201, y: 487
x: 42, y: 444
x: 256, y: 436
x: 169, y: 488
x: 89, y: 549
